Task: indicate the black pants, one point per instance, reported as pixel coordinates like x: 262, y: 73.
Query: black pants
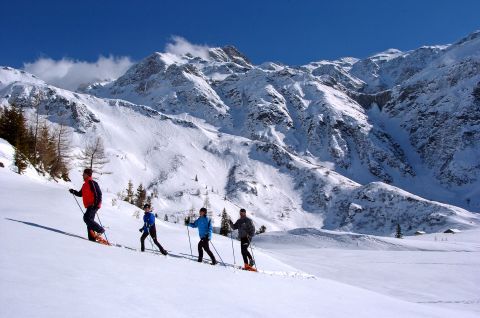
x: 89, y: 219
x: 153, y: 233
x: 203, y: 245
x: 244, y: 244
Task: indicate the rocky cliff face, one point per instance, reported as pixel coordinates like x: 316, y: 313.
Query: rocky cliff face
x: 438, y: 109
x: 323, y: 110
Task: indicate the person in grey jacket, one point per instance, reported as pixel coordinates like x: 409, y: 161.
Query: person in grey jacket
x: 246, y: 230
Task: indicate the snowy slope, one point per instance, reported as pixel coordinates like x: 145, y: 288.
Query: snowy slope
x: 48, y: 270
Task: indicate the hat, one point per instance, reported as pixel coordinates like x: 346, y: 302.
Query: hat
x: 147, y: 206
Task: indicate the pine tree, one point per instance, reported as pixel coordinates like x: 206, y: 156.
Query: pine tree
x: 129, y: 196
x: 140, y: 196
x: 21, y: 141
x: 93, y: 155
x: 165, y: 218
x: 13, y: 126
x: 225, y: 224
x: 399, y: 231
x: 207, y: 205
x: 10, y: 123
x: 206, y: 202
x: 196, y: 178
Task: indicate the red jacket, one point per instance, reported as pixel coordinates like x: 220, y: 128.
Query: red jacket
x: 91, y: 194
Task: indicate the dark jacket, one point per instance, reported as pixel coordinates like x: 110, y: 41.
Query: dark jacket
x: 90, y: 193
x: 244, y: 226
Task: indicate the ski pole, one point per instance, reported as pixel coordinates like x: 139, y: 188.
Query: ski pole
x: 233, y: 250
x: 218, y: 254
x: 251, y: 248
x: 81, y: 210
x: 189, y: 242
x: 151, y: 243
x: 104, y: 233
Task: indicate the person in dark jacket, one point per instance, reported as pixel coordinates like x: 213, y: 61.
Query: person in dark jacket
x: 246, y: 230
x: 92, y: 200
x: 149, y: 228
x: 205, y: 229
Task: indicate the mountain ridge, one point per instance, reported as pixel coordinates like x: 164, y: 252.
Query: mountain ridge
x: 315, y: 143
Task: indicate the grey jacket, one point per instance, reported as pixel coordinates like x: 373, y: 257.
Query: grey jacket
x: 244, y: 226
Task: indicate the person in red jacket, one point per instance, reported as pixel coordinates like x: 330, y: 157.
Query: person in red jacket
x: 92, y: 200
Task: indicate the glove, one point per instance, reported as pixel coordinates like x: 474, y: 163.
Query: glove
x: 140, y: 230
x: 71, y: 191
x: 187, y: 220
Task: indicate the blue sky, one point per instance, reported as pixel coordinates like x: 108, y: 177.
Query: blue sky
x: 292, y: 32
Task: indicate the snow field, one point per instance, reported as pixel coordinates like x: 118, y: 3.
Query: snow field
x: 45, y: 273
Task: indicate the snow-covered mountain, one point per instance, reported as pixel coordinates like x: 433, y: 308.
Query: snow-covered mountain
x: 357, y: 145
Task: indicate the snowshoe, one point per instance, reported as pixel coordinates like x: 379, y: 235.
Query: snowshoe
x: 98, y: 238
x: 247, y: 267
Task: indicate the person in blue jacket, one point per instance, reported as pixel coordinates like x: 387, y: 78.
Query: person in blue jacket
x: 149, y: 228
x: 205, y: 229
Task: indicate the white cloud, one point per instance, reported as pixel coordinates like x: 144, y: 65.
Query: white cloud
x: 180, y: 46
x: 70, y: 74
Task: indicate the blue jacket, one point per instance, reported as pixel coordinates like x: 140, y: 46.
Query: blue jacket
x: 148, y: 221
x: 205, y: 227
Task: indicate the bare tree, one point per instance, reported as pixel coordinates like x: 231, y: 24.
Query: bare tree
x: 46, y: 151
x: 36, y: 104
x: 93, y: 155
x: 60, y: 166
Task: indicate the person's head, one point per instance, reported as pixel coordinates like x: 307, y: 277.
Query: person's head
x: 87, y: 173
x: 203, y: 211
x: 243, y: 213
x: 147, y: 207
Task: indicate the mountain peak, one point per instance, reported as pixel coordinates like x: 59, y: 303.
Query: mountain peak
x: 386, y: 55
x: 472, y: 36
x: 229, y: 53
